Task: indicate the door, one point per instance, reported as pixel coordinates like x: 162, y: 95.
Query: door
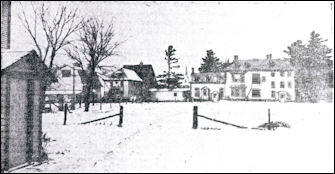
x: 205, y: 94
x: 19, y: 145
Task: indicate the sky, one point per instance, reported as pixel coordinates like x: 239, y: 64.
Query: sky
x: 247, y: 29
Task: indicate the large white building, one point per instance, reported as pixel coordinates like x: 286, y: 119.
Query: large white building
x: 252, y: 79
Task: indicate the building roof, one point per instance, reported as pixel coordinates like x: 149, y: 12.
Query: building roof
x: 260, y: 65
x: 208, y: 78
x: 9, y: 57
x: 145, y: 72
x: 15, y: 58
x: 124, y: 74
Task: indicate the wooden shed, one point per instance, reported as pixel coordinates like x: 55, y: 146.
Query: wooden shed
x: 22, y: 78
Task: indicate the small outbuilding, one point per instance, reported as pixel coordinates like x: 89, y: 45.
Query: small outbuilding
x: 23, y: 77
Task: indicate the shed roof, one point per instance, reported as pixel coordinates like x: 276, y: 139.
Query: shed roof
x: 14, y: 58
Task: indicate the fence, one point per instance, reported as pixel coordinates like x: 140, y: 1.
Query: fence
x: 196, y: 115
x: 119, y: 114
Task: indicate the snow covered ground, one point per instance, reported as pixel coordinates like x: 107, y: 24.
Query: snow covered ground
x: 158, y: 137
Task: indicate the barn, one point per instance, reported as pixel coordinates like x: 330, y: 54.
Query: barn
x: 22, y: 80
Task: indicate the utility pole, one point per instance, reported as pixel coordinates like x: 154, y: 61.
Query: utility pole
x: 74, y: 93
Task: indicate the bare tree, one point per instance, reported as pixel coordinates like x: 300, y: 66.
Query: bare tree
x: 94, y: 46
x: 56, y: 29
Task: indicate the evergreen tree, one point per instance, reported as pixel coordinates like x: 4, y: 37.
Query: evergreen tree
x: 211, y: 63
x: 171, y: 79
x: 312, y: 68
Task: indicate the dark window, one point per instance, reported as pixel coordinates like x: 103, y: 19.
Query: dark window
x: 282, y: 85
x: 208, y: 79
x: 273, y: 85
x: 289, y: 84
x: 242, y: 78
x: 205, y: 92
x: 289, y: 74
x: 255, y: 78
x: 273, y: 74
x: 256, y: 93
x: 175, y: 94
x: 282, y: 73
x: 237, y: 92
x: 221, y: 93
x: 66, y: 73
x: 263, y: 79
x: 273, y: 94
x: 197, y: 92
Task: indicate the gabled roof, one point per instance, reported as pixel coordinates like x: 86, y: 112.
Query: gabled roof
x: 260, y: 65
x: 14, y: 58
x: 145, y: 72
x: 125, y: 74
x: 9, y: 57
x: 208, y: 78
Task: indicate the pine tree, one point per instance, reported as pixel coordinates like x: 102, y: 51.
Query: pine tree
x: 211, y: 63
x: 171, y: 79
x: 312, y: 68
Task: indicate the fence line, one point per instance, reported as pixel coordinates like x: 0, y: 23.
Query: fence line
x: 119, y: 114
x: 195, y: 120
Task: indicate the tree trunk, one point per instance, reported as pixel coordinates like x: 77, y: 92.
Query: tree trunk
x: 87, y: 97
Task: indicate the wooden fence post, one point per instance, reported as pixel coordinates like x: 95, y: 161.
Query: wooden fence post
x: 121, y: 116
x: 195, y: 117
x: 65, y: 112
x: 269, y: 121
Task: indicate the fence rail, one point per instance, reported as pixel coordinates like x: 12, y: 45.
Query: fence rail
x: 196, y: 115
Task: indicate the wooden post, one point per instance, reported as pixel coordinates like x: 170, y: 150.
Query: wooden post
x: 121, y: 116
x: 195, y: 117
x: 269, y: 121
x: 80, y: 101
x: 65, y: 112
x: 100, y: 104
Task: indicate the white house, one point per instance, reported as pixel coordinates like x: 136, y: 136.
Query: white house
x: 207, y: 86
x: 260, y: 79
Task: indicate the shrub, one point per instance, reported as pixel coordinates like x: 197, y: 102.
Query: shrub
x: 274, y: 125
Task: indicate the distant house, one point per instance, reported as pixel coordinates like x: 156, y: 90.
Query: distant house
x: 69, y: 79
x: 147, y: 74
x: 207, y: 86
x: 23, y: 76
x: 260, y: 79
x: 123, y: 84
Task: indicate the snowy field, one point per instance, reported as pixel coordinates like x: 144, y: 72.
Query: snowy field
x: 158, y: 137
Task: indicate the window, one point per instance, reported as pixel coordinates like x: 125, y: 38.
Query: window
x: 66, y: 73
x: 256, y: 93
x: 208, y: 79
x: 282, y: 85
x: 289, y: 74
x: 273, y: 85
x: 175, y: 94
x: 255, y: 78
x: 238, y: 78
x: 289, y: 84
x: 116, y: 82
x: 263, y: 79
x: 282, y: 73
x: 197, y: 92
x: 273, y: 74
x: 221, y: 93
x: 205, y: 92
x: 273, y: 94
x: 237, y: 92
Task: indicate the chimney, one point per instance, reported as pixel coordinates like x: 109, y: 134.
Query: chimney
x: 235, y: 58
x: 267, y: 57
x: 192, y: 70
x: 5, y: 24
x: 270, y: 56
x: 141, y: 63
x: 228, y: 61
